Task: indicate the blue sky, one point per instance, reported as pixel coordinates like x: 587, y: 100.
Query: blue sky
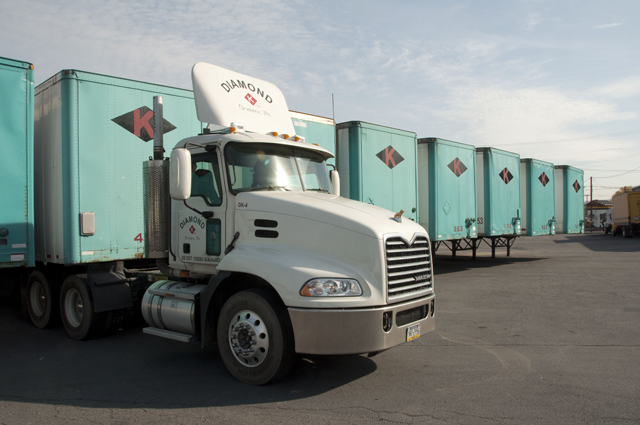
x: 557, y: 80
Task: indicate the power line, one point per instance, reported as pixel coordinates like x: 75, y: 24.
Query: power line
x: 608, y: 159
x: 621, y: 174
x: 599, y: 169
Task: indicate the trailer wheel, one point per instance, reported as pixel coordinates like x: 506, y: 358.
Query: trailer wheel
x: 78, y: 317
x: 42, y: 300
x: 255, y: 337
x: 625, y: 232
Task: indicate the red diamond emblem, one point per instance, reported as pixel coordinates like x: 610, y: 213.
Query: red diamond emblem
x: 544, y: 179
x: 252, y: 100
x: 506, y: 175
x: 192, y: 229
x: 576, y: 186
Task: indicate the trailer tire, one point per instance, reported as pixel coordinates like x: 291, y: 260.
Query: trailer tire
x: 625, y: 232
x: 42, y: 300
x: 257, y: 323
x: 76, y: 306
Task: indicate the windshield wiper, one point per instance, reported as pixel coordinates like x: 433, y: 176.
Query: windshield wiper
x: 317, y: 190
x: 270, y: 188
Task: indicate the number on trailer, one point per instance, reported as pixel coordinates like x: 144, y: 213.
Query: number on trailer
x: 138, y: 238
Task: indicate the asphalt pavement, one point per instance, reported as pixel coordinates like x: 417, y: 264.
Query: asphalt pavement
x: 549, y: 335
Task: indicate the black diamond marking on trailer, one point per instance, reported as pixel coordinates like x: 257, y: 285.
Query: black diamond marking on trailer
x: 457, y: 167
x: 390, y: 156
x: 543, y: 179
x: 140, y: 122
x: 506, y: 176
x: 576, y: 186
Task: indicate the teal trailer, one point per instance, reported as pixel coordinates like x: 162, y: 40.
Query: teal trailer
x: 378, y: 166
x: 16, y: 164
x: 537, y: 189
x: 315, y: 129
x: 447, y: 191
x: 498, y: 183
x: 569, y: 198
x: 92, y: 134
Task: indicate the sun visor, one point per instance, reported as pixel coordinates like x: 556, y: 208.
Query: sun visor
x: 224, y: 96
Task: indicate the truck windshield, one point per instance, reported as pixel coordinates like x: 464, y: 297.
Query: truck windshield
x: 259, y: 166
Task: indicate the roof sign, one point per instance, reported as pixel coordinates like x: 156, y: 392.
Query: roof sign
x: 224, y: 96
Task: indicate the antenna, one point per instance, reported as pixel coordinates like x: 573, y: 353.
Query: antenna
x: 333, y: 108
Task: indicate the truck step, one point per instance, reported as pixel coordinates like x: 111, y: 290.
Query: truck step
x: 176, y: 336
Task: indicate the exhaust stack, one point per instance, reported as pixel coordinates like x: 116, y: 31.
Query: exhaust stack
x: 158, y: 148
x: 156, y: 199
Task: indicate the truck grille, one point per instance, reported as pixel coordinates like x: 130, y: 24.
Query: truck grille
x: 408, y: 268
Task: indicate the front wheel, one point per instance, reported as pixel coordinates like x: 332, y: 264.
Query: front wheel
x: 255, y: 337
x: 78, y: 317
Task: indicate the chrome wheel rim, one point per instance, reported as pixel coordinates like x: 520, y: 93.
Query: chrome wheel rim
x: 38, y: 298
x: 73, y: 307
x: 248, y: 338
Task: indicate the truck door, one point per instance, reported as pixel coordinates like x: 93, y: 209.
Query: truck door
x: 201, y: 240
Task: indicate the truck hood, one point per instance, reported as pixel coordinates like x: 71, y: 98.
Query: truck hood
x: 334, y: 210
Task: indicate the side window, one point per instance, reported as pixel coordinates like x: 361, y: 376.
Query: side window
x: 205, y: 180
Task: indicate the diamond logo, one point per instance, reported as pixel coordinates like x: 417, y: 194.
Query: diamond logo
x: 192, y: 229
x: 446, y: 207
x: 390, y: 156
x: 252, y: 100
x: 506, y: 176
x: 457, y: 167
x: 543, y: 179
x: 576, y: 186
x: 140, y: 122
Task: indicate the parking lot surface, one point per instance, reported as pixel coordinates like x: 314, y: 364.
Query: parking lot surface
x: 548, y: 335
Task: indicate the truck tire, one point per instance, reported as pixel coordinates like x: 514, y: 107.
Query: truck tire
x: 42, y: 300
x: 625, y: 232
x: 255, y: 337
x: 76, y: 306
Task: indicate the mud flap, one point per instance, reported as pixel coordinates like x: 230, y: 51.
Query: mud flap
x: 109, y: 286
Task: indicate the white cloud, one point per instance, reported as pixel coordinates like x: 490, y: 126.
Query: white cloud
x: 628, y: 87
x: 532, y: 21
x: 600, y: 27
x: 498, y: 116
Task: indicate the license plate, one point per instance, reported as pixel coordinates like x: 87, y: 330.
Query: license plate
x: 413, y: 332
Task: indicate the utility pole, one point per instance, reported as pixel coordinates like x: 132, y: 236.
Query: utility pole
x: 591, y: 196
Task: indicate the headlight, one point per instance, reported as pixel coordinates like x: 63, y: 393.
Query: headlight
x: 331, y: 288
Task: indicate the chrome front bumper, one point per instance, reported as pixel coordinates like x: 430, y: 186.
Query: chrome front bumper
x: 356, y: 331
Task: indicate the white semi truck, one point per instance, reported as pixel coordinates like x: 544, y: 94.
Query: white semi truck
x: 257, y: 249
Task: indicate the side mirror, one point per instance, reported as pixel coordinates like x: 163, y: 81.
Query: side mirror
x: 335, y: 181
x: 180, y: 180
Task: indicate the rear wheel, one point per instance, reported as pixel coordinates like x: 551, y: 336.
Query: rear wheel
x: 42, y: 300
x: 625, y: 232
x: 255, y: 337
x: 78, y: 317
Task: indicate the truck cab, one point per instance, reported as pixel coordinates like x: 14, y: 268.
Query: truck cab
x: 267, y: 258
